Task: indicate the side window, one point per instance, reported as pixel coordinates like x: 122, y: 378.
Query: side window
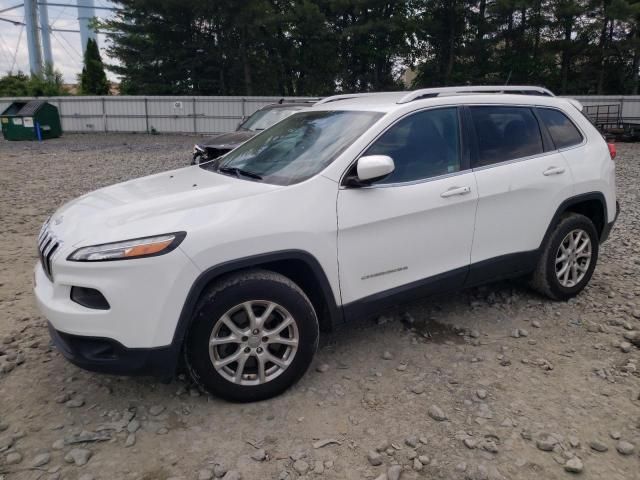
x: 423, y: 145
x: 562, y: 130
x: 505, y: 133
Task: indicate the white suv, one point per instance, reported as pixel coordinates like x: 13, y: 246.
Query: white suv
x: 353, y: 205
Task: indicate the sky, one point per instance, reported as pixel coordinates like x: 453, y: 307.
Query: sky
x: 67, y: 54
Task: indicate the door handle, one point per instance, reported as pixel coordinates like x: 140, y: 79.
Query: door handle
x: 553, y: 171
x: 455, y: 191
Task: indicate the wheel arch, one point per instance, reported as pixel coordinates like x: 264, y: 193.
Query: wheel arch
x: 299, y: 266
x: 592, y: 205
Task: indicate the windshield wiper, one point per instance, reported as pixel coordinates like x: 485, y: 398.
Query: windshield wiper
x: 239, y: 171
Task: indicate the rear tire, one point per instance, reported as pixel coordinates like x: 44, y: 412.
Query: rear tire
x: 568, y: 259
x: 253, y: 335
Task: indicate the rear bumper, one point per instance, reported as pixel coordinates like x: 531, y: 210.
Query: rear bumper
x: 607, y: 228
x: 105, y: 355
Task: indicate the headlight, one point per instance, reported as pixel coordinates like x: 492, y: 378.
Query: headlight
x: 127, y: 249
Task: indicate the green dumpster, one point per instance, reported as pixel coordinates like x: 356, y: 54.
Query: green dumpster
x: 30, y: 120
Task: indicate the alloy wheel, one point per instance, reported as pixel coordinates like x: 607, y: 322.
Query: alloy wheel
x: 573, y: 258
x: 253, y: 342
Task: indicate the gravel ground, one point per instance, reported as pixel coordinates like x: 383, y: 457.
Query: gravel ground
x: 489, y: 383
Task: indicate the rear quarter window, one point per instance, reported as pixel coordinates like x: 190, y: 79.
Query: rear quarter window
x: 562, y: 130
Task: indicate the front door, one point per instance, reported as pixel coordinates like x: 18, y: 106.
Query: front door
x: 410, y: 232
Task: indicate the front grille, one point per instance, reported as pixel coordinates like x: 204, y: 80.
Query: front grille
x: 47, y: 247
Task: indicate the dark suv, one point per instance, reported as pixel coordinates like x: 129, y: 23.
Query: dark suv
x: 260, y: 120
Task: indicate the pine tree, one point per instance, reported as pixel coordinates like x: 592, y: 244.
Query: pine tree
x: 93, y: 80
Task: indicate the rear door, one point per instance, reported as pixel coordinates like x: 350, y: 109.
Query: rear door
x: 522, y: 179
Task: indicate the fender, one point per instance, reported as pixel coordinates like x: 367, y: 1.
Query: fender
x: 565, y: 205
x: 209, y: 275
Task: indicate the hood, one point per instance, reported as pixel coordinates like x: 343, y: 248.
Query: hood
x: 228, y: 141
x: 161, y: 203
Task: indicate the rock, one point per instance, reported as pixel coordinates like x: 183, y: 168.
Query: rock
x: 133, y: 426
x: 156, y: 410
x: 625, y: 347
x: 259, y: 455
x: 13, y: 458
x: 58, y: 444
x: 205, y: 474
x: 536, y: 324
x: 625, y: 448
x: 546, y: 442
x: 301, y: 466
x: 417, y: 466
x: 394, y: 472
x: 469, y: 442
x: 374, y: 458
x: 322, y: 368
x: 325, y: 442
x: 574, y: 441
x: 78, y: 456
x: 425, y: 460
x: 633, y: 336
x: 86, y: 476
x: 523, y: 332
x: 437, y: 414
x: 41, y: 459
x: 76, y: 402
x: 515, y: 333
x: 411, y: 441
x: 318, y: 467
x: 232, y: 475
x: 573, y: 465
x: 418, y: 388
x: 219, y: 470
x: 481, y: 394
x: 615, y: 435
x: 387, y: 355
x: 130, y: 441
x: 489, y: 446
x: 598, y: 446
x: 474, y: 333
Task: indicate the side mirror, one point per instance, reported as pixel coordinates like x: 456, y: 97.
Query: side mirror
x: 369, y: 169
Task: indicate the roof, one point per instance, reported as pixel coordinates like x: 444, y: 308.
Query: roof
x: 391, y: 101
x: 30, y: 108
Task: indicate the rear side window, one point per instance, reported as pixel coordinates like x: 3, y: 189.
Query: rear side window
x: 562, y: 130
x: 505, y: 133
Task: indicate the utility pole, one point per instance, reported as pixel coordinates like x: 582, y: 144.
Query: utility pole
x: 46, y: 34
x: 86, y: 12
x: 33, y: 36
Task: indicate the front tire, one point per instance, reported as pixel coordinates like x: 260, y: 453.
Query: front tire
x: 253, y: 335
x: 568, y: 259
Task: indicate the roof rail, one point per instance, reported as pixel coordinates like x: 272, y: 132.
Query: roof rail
x: 515, y: 89
x: 347, y: 96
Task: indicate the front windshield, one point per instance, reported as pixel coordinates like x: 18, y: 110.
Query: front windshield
x: 263, y: 119
x: 296, y: 148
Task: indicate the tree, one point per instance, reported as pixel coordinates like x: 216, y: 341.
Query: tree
x: 93, y: 79
x: 319, y: 47
x: 48, y: 84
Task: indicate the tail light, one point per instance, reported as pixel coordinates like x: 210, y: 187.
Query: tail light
x: 612, y: 150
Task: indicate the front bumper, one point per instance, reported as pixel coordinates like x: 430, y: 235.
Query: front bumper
x: 105, y: 355
x: 607, y: 228
x: 145, y: 298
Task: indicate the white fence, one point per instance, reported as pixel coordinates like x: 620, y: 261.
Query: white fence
x: 147, y: 114
x: 200, y: 115
x: 629, y: 105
